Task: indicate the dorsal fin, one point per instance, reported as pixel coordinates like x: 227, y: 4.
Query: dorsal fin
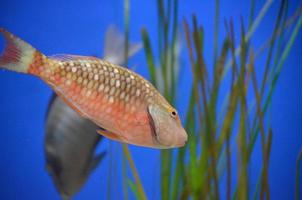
x: 69, y: 57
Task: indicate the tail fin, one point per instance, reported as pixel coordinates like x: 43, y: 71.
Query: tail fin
x: 17, y: 55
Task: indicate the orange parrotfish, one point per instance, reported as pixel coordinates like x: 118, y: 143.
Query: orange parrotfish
x: 115, y: 98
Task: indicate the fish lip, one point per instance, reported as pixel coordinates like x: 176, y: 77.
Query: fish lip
x: 174, y: 146
x: 181, y: 144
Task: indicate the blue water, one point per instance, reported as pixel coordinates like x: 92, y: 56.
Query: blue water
x: 78, y: 27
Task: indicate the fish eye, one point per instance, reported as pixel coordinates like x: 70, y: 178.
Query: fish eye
x: 174, y: 113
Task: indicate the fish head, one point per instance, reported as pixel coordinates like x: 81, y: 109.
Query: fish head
x: 166, y: 126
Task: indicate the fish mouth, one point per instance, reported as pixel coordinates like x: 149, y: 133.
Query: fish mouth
x: 161, y: 145
x: 181, y: 144
x: 182, y: 139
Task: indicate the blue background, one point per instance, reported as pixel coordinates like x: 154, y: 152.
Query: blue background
x: 78, y: 27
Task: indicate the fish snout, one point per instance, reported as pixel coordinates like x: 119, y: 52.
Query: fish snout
x: 181, y: 139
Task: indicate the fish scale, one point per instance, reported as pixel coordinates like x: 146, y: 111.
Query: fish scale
x: 114, y: 96
x: 117, y: 99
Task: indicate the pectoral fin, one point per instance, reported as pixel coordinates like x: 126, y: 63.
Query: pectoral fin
x: 111, y: 135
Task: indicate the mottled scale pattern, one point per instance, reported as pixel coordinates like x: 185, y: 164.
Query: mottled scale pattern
x: 112, y: 96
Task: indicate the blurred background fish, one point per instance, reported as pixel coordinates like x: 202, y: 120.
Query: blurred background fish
x: 70, y: 144
x: 71, y: 140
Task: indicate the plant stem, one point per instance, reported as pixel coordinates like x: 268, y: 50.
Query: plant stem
x: 137, y: 179
x: 250, y: 32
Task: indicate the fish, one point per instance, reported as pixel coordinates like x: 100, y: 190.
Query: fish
x: 70, y: 145
x: 127, y: 106
x: 70, y: 141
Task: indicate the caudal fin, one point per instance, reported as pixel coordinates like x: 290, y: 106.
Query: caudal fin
x: 17, y: 55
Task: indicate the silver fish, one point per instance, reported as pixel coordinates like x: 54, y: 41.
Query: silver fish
x: 70, y: 144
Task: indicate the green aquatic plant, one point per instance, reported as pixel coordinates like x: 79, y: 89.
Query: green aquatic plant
x: 218, y: 131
